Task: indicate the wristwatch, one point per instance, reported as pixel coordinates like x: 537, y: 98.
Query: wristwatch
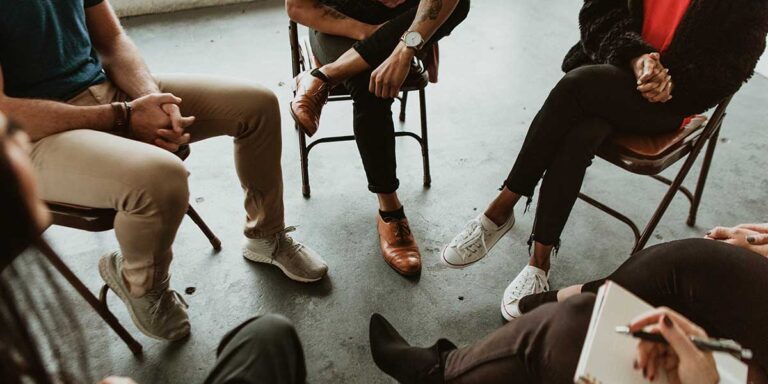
x: 413, y: 39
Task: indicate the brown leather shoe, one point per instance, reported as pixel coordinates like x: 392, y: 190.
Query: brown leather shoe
x: 398, y: 247
x: 308, y: 101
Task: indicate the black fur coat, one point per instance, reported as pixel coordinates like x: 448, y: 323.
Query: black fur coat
x: 714, y: 51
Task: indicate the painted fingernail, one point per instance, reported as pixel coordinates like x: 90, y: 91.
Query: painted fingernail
x: 635, y: 365
x: 651, y: 378
x: 645, y: 372
x: 751, y: 239
x: 667, y: 321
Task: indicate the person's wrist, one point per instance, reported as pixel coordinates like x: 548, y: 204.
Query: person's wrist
x: 405, y: 52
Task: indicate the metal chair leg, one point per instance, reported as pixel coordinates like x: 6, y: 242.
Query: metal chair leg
x: 662, y: 208
x: 97, y: 306
x: 403, y: 104
x: 304, y: 156
x: 424, y: 138
x: 215, y: 242
x: 702, y: 178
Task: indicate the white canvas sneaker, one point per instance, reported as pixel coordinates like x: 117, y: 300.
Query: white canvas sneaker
x: 529, y: 281
x: 475, y: 241
x: 298, y: 262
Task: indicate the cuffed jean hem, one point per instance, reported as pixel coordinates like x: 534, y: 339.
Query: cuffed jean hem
x: 392, y: 188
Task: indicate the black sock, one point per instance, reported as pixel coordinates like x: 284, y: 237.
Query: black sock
x: 397, y: 214
x: 320, y: 75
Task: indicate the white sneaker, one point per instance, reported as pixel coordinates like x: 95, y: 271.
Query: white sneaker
x: 529, y: 281
x: 298, y: 262
x: 475, y: 241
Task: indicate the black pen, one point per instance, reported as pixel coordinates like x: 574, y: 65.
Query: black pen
x: 704, y: 344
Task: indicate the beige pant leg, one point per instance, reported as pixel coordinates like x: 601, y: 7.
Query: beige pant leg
x: 145, y: 184
x: 250, y: 114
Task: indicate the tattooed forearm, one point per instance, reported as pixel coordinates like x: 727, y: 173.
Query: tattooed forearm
x: 330, y: 12
x: 431, y: 11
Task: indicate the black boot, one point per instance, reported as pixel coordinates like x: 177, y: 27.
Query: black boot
x: 407, y: 364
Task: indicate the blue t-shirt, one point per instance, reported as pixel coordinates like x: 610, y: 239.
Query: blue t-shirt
x: 45, y: 49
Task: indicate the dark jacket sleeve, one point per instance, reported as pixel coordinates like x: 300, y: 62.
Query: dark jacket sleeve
x: 609, y: 35
x: 716, y: 65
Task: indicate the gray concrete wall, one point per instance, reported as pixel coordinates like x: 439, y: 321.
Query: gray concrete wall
x: 144, y: 7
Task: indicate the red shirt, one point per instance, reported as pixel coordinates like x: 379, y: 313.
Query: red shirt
x: 661, y: 18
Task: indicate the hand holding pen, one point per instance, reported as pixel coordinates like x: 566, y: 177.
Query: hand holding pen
x: 679, y: 357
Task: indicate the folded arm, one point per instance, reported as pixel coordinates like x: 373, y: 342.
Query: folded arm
x: 325, y: 19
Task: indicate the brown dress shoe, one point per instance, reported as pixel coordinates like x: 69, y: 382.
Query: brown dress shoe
x: 398, y: 247
x: 308, y: 101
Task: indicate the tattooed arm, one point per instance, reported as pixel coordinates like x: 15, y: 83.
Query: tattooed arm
x: 387, y: 79
x: 431, y: 15
x: 325, y: 19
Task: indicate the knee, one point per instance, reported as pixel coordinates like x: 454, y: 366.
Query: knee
x: 270, y: 329
x: 585, y: 78
x: 359, y: 89
x: 158, y: 182
x: 577, y: 304
x: 256, y: 106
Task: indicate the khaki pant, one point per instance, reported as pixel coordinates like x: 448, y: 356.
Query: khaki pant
x: 148, y: 185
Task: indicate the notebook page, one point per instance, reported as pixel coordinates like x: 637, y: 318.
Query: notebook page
x: 607, y: 356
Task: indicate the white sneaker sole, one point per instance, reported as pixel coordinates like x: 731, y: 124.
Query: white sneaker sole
x: 505, y: 314
x: 115, y: 287
x: 256, y: 258
x: 462, y: 266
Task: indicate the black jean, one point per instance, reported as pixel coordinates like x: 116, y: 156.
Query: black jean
x: 263, y: 350
x: 373, y: 125
x: 720, y: 287
x: 587, y: 105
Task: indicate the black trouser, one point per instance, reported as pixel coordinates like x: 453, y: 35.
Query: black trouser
x: 587, y: 105
x: 263, y: 350
x: 373, y: 126
x: 720, y: 287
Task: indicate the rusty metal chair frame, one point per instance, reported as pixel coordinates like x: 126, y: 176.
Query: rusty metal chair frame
x: 689, y: 149
x: 100, y: 220
x: 301, y: 61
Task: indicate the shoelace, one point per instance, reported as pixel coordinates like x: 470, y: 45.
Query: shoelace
x: 402, y: 230
x: 162, y: 295
x: 285, y: 242
x: 524, y: 287
x: 467, y: 242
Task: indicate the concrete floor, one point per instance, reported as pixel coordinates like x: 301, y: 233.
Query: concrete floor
x: 496, y: 71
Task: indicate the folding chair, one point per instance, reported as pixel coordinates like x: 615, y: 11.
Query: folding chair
x: 100, y: 220
x: 303, y: 59
x: 651, y: 155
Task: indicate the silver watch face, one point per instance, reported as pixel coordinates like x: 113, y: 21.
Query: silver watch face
x: 412, y: 39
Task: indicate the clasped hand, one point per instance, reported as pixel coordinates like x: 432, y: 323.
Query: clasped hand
x: 156, y: 119
x: 653, y: 80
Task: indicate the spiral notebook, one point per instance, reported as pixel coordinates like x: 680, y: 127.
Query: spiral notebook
x: 607, y: 356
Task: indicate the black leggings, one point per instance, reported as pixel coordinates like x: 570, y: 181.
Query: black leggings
x: 373, y: 125
x: 720, y: 287
x: 587, y: 105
